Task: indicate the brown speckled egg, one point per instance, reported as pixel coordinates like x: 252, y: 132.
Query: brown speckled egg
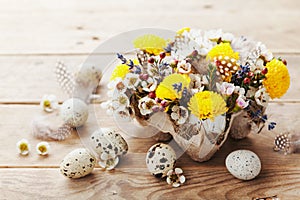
x: 160, y: 159
x: 109, y: 146
x: 74, y: 112
x: 243, y: 164
x: 78, y: 163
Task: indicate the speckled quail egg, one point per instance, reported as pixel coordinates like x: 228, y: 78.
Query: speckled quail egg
x: 74, y: 112
x: 243, y: 164
x: 109, y: 146
x: 160, y: 159
x: 78, y: 163
x: 88, y: 74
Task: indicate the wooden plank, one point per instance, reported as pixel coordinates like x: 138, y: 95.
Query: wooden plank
x: 56, y: 27
x: 15, y: 124
x: 133, y: 183
x: 28, y: 78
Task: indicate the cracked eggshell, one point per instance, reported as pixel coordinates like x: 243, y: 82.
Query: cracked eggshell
x: 78, y: 163
x: 107, y: 143
x: 243, y: 164
x: 74, y: 112
x: 160, y: 159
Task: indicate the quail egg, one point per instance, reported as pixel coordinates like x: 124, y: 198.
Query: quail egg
x: 78, y: 163
x: 74, y: 112
x: 243, y: 164
x: 88, y: 75
x: 160, y: 159
x: 109, y: 146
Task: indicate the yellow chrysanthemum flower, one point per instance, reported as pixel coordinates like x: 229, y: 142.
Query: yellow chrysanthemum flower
x: 277, y: 80
x: 180, y: 31
x: 207, y: 105
x: 119, y: 72
x: 223, y: 49
x: 152, y: 44
x: 172, y: 86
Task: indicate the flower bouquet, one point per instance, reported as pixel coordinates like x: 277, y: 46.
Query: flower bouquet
x: 199, y: 87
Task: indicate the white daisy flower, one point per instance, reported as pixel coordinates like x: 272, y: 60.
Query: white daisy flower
x: 43, y: 148
x: 23, y: 147
x: 49, y: 103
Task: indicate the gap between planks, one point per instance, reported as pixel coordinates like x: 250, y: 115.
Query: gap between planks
x: 37, y: 102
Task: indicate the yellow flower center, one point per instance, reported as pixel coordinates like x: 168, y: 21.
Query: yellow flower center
x: 42, y: 149
x: 23, y: 147
x: 47, y: 103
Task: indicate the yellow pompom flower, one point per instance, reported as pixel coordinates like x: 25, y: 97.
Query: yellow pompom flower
x: 172, y: 86
x: 225, y: 59
x: 152, y: 44
x: 277, y: 80
x: 180, y: 31
x: 223, y: 49
x: 207, y: 105
x: 119, y: 72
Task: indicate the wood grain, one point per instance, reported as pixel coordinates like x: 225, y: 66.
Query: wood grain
x: 35, y: 34
x: 16, y: 124
x: 76, y: 27
x: 136, y: 183
x: 22, y: 73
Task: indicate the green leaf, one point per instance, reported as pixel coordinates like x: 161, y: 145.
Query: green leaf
x: 212, y: 77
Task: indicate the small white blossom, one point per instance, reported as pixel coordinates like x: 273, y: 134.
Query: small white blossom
x: 264, y: 51
x: 107, y: 105
x: 119, y: 101
x: 43, y: 148
x: 23, y: 147
x: 122, y: 115
x: 213, y: 34
x: 184, y: 67
x: 261, y: 97
x: 227, y: 37
x: 240, y: 91
x: 49, y: 103
x: 241, y: 102
x: 179, y: 114
x: 197, y: 82
x: 226, y: 88
x: 146, y: 104
x: 149, y: 85
x: 132, y: 80
x: 175, y: 177
x: 117, y: 85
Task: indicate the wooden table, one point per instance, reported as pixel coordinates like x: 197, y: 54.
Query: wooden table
x: 35, y: 34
